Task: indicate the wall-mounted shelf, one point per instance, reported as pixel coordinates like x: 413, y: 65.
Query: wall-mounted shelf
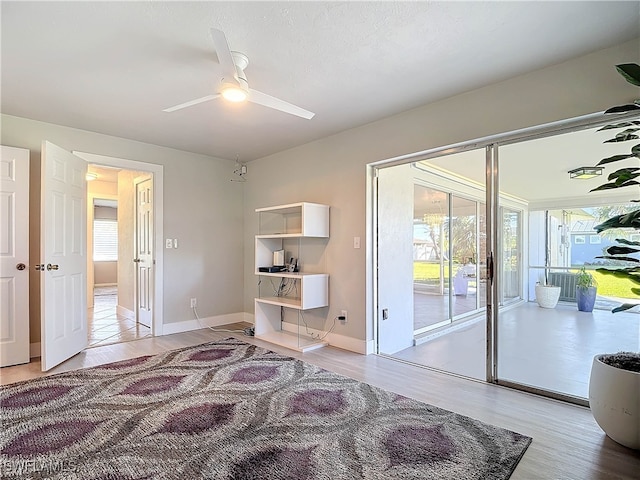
x: 310, y: 290
x: 294, y: 220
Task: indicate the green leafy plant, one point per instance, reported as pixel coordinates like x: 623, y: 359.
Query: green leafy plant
x: 584, y: 279
x: 626, y: 250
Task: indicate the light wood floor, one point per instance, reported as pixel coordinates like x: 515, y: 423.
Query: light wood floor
x: 567, y: 443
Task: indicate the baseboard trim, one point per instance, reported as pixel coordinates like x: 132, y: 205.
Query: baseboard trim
x: 370, y: 347
x: 35, y: 350
x: 216, y: 321
x: 125, y: 312
x: 335, y: 340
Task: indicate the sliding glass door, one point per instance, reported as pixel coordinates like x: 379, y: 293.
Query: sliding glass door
x: 544, y: 342
x: 431, y: 323
x: 440, y: 304
x: 431, y: 258
x: 511, y: 256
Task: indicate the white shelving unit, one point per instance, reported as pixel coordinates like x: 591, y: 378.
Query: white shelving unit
x: 298, y: 229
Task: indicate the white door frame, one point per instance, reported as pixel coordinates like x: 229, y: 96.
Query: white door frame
x: 158, y: 193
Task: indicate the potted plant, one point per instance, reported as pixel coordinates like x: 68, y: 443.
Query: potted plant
x: 585, y: 291
x: 614, y: 385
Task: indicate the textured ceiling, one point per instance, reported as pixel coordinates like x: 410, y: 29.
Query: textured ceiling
x: 111, y: 67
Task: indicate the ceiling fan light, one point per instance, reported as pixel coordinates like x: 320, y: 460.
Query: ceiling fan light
x: 234, y: 93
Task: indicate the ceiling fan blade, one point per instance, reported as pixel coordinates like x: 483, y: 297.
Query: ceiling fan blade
x: 272, y: 102
x: 224, y: 53
x: 191, y: 102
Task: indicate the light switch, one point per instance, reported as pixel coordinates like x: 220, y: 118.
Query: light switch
x: 168, y: 243
x: 356, y: 242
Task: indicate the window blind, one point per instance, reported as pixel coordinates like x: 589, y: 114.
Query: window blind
x: 105, y: 240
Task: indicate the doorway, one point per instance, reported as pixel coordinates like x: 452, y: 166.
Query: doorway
x: 113, y: 290
x: 109, y: 321
x: 433, y: 287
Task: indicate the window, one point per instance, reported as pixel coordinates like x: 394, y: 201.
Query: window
x: 105, y: 240
x: 594, y: 239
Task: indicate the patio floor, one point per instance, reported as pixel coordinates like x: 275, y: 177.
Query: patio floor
x: 550, y: 349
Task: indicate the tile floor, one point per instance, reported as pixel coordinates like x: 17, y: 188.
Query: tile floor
x: 106, y: 326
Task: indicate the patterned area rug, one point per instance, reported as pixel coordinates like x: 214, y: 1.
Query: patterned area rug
x: 229, y: 410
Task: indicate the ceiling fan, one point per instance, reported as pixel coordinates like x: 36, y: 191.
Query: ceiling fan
x: 233, y: 84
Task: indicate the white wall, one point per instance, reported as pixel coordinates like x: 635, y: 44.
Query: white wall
x: 333, y: 170
x: 395, y: 193
x: 202, y: 208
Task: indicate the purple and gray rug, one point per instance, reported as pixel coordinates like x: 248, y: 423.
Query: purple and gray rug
x: 230, y: 410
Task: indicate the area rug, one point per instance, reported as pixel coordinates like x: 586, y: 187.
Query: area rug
x: 230, y: 410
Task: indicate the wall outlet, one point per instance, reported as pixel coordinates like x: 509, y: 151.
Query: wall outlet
x: 168, y: 243
x: 194, y: 302
x: 343, y: 316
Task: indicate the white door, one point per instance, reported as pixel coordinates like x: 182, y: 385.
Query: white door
x: 144, y: 251
x: 63, y: 255
x: 14, y: 256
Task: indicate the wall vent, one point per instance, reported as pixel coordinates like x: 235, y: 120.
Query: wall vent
x: 567, y: 283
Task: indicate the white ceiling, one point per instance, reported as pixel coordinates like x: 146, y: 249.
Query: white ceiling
x: 536, y: 171
x: 111, y: 67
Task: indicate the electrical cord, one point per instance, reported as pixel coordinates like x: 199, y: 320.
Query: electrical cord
x: 249, y: 331
x: 317, y: 336
x: 285, y: 288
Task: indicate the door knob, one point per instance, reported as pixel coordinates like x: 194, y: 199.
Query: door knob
x: 21, y: 266
x: 136, y: 260
x: 52, y: 267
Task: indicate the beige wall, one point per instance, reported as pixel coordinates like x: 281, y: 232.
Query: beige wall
x: 202, y: 208
x: 332, y: 170
x: 105, y: 273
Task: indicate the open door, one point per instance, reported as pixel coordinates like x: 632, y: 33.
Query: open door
x: 144, y: 251
x: 63, y: 255
x: 14, y: 256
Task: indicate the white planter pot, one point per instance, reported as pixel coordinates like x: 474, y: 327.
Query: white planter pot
x: 547, y: 295
x: 614, y: 399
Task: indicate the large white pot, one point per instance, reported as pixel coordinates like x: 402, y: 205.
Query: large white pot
x: 614, y: 399
x: 547, y: 295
